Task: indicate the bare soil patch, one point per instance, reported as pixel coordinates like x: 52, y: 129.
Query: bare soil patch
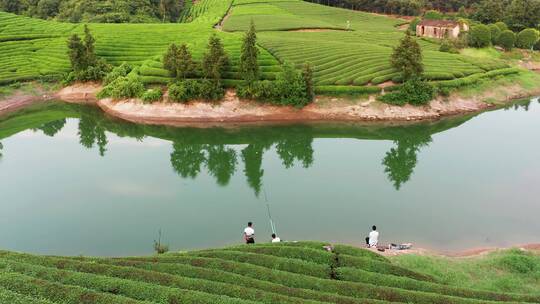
x: 79, y: 93
x: 232, y: 110
x: 20, y: 99
x: 473, y: 252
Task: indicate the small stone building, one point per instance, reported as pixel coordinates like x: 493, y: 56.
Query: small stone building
x: 440, y: 29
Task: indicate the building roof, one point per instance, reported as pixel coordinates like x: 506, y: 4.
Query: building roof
x: 439, y: 23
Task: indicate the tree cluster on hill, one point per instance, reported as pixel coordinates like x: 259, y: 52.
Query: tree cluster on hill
x: 401, y: 7
x: 105, y: 11
x: 407, y: 58
x: 85, y: 65
x: 517, y: 14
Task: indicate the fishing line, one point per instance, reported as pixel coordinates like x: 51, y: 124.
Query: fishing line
x: 272, y: 225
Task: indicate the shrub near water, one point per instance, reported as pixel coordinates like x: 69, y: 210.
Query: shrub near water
x: 414, y: 91
x: 152, y: 95
x: 120, y: 71
x: 129, y: 86
x: 186, y: 90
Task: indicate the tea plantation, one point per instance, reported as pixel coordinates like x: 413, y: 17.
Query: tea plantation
x: 349, y: 50
x: 303, y: 272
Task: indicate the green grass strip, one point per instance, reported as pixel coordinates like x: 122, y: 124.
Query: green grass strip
x: 357, y: 275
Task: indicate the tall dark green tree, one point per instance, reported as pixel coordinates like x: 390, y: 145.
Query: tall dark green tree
x: 76, y: 52
x: 307, y: 75
x: 215, y: 59
x: 186, y: 66
x: 89, y: 48
x: 84, y: 62
x: 170, y: 59
x: 248, y: 59
x: 179, y: 61
x: 407, y: 58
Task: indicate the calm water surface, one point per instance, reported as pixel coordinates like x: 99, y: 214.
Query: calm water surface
x: 73, y: 181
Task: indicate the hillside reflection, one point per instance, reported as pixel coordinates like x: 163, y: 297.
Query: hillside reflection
x: 222, y: 152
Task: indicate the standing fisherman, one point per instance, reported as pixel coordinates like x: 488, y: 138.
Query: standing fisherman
x: 249, y: 234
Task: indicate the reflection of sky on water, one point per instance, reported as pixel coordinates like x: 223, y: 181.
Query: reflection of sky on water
x: 471, y: 184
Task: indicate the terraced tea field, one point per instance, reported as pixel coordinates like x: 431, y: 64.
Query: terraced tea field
x: 348, y: 49
x: 281, y: 273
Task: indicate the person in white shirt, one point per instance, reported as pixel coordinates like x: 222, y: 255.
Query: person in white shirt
x: 275, y: 239
x: 373, y: 239
x: 249, y: 234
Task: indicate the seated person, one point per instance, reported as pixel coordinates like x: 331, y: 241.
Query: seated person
x: 373, y: 239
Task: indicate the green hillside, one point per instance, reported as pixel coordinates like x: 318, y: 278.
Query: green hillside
x: 285, y: 273
x: 34, y: 48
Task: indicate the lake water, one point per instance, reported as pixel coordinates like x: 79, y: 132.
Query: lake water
x: 73, y: 181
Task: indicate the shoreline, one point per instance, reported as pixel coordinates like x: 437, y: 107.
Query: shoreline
x: 233, y: 111
x: 465, y: 253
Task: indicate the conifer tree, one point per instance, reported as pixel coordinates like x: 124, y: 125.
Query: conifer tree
x: 307, y: 75
x: 248, y: 59
x: 89, y: 41
x: 170, y: 60
x: 76, y: 53
x: 407, y: 58
x: 214, y: 59
x: 185, y: 65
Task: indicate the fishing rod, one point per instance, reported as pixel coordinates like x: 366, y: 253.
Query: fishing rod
x: 272, y: 225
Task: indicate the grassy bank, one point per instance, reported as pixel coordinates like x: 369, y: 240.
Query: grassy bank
x: 280, y: 273
x: 507, y: 271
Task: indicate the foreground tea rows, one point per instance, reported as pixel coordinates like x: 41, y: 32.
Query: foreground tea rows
x: 303, y: 272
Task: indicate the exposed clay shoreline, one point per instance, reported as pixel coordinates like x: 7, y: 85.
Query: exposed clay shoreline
x: 231, y: 110
x: 472, y: 252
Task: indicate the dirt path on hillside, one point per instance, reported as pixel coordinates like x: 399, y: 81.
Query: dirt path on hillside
x: 219, y: 26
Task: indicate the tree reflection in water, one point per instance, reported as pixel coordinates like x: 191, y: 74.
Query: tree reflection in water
x: 53, y: 127
x: 252, y: 156
x: 187, y: 159
x: 92, y: 132
x: 217, y: 149
x: 400, y: 161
